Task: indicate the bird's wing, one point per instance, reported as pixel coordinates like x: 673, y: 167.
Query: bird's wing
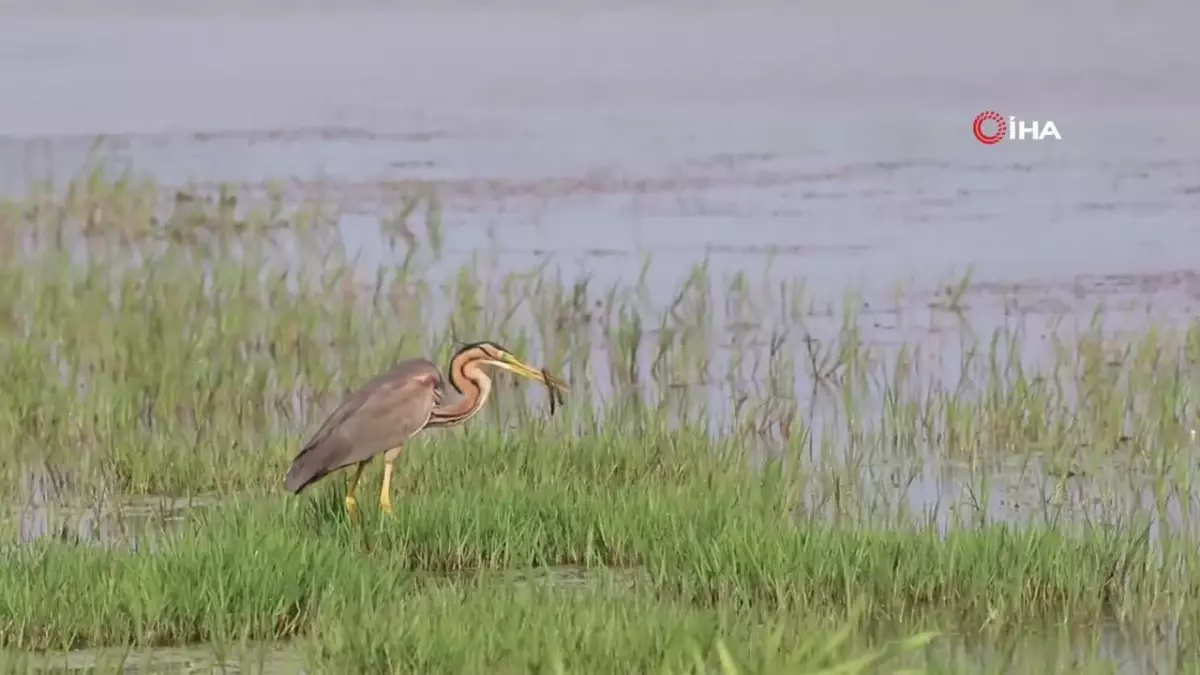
x: 390, y: 414
x: 383, y: 414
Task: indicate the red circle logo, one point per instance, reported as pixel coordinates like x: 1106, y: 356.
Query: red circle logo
x: 984, y: 137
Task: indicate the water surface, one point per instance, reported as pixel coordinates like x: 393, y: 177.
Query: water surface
x: 833, y: 141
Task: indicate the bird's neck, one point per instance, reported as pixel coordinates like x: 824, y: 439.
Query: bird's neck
x: 458, y: 407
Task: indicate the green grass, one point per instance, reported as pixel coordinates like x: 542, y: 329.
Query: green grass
x: 732, y: 480
x: 667, y: 572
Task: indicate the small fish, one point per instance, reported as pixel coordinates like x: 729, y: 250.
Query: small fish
x: 556, y: 395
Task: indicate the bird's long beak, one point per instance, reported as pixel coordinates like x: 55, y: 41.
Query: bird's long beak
x: 515, y: 365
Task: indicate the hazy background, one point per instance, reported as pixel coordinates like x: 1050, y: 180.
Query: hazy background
x: 838, y: 134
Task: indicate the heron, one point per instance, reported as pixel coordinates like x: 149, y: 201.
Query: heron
x: 387, y: 411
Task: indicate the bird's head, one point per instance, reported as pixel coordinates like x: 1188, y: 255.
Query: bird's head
x: 492, y: 354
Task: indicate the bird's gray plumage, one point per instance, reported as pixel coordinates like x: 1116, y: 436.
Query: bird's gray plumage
x: 383, y: 414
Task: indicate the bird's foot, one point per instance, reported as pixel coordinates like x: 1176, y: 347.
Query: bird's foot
x: 352, y: 507
x: 385, y: 505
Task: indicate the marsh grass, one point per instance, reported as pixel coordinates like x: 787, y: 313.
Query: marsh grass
x: 112, y: 370
x: 703, y: 564
x: 736, y: 475
x: 676, y: 552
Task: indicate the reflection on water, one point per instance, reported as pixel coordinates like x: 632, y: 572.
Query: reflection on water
x: 53, y: 513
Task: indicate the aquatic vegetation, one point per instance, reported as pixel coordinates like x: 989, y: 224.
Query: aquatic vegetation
x: 744, y: 478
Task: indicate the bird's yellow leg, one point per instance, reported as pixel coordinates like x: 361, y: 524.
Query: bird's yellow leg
x: 351, y: 501
x: 385, y: 491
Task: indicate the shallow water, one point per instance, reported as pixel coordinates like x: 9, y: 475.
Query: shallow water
x: 835, y: 141
x: 268, y: 659
x: 119, y: 520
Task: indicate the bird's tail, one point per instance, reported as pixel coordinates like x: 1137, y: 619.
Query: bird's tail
x: 306, y: 469
x: 324, y: 454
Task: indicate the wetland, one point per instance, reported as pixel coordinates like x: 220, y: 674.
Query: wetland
x: 741, y: 479
x: 850, y: 392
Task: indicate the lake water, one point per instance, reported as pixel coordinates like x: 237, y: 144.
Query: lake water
x: 836, y: 137
x: 840, y: 136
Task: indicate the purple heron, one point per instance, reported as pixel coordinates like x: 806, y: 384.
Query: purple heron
x: 390, y: 409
